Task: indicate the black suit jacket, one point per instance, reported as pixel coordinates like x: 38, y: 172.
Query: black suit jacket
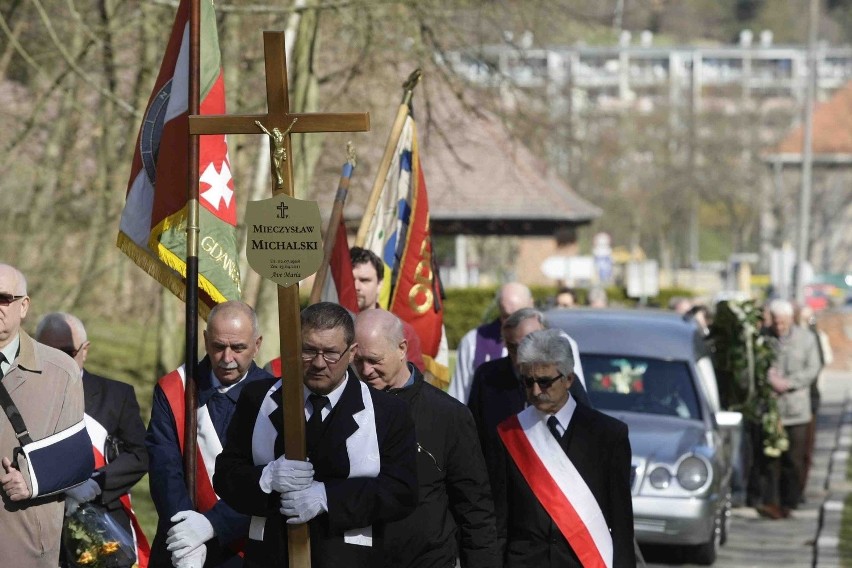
x: 598, y: 447
x: 113, y: 405
x: 496, y: 394
x: 352, y: 502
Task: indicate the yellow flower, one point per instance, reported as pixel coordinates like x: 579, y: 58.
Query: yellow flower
x: 109, y: 547
x: 86, y: 558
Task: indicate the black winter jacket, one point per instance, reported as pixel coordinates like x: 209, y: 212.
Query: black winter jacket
x: 455, y: 507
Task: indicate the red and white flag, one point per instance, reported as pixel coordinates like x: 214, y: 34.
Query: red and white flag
x: 152, y: 231
x: 340, y: 285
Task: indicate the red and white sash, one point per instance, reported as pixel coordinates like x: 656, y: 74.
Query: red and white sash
x: 558, y: 486
x: 98, y: 434
x: 209, y: 445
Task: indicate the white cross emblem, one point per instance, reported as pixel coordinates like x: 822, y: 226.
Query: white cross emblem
x: 218, y: 182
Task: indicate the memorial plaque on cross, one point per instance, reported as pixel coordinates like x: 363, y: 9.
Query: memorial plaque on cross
x: 278, y: 123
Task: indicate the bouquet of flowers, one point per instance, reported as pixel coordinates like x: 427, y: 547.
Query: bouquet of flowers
x: 626, y: 380
x: 92, y: 539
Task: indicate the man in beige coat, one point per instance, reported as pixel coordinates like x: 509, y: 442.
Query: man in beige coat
x: 793, y: 371
x: 45, y: 385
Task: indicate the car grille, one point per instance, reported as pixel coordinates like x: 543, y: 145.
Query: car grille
x: 649, y: 525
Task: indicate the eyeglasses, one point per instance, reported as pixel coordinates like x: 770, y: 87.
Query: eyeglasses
x: 543, y: 384
x: 71, y: 351
x: 328, y: 356
x: 6, y: 299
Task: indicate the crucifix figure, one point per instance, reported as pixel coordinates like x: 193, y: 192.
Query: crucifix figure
x: 279, y: 152
x: 278, y: 124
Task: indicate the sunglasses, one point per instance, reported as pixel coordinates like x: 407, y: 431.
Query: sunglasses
x: 543, y: 384
x: 6, y: 299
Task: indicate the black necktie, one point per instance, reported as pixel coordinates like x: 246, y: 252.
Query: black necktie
x: 313, y: 430
x: 552, y: 423
x: 2, y: 360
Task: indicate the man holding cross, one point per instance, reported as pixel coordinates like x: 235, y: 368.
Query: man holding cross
x: 361, y: 448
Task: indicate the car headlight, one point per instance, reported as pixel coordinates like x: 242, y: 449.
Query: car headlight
x: 660, y: 478
x: 692, y: 473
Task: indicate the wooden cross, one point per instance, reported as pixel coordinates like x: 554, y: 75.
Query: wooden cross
x: 280, y: 118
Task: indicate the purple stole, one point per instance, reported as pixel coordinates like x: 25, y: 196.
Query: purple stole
x: 489, y: 343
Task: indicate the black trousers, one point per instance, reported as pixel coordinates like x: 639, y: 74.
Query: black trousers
x: 782, y: 481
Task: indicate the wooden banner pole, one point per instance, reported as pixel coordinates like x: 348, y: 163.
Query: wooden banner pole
x: 387, y: 158
x: 333, y: 224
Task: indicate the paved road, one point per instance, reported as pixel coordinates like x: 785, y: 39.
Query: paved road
x: 788, y: 543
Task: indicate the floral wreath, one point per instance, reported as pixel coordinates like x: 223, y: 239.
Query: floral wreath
x: 744, y: 355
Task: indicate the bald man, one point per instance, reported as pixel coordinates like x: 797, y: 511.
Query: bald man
x: 115, y: 427
x: 485, y: 343
x: 211, y: 535
x: 44, y: 384
x: 454, y: 518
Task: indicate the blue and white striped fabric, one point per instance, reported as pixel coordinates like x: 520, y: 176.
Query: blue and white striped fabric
x: 389, y: 227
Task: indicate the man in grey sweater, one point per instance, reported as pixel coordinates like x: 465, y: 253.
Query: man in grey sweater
x: 794, y: 370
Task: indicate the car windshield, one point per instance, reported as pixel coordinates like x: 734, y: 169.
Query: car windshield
x: 638, y: 384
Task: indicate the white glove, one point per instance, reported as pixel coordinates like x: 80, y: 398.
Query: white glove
x: 194, y: 559
x: 286, y: 475
x: 191, y: 531
x: 83, y: 493
x: 304, y: 505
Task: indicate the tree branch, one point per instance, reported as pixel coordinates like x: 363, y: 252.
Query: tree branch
x: 124, y: 105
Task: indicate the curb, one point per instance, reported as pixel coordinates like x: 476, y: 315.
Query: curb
x: 826, y: 547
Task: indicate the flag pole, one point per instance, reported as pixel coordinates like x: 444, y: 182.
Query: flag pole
x: 192, y: 230
x: 334, y: 223
x: 387, y: 158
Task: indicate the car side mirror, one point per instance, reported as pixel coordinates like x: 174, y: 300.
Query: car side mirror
x: 728, y: 419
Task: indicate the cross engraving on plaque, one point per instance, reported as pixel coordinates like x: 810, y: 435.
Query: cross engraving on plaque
x: 282, y: 211
x: 278, y: 124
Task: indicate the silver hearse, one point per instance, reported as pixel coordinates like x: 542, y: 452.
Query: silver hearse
x: 652, y: 370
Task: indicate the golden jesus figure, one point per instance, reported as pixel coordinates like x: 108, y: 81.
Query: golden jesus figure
x: 279, y: 153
